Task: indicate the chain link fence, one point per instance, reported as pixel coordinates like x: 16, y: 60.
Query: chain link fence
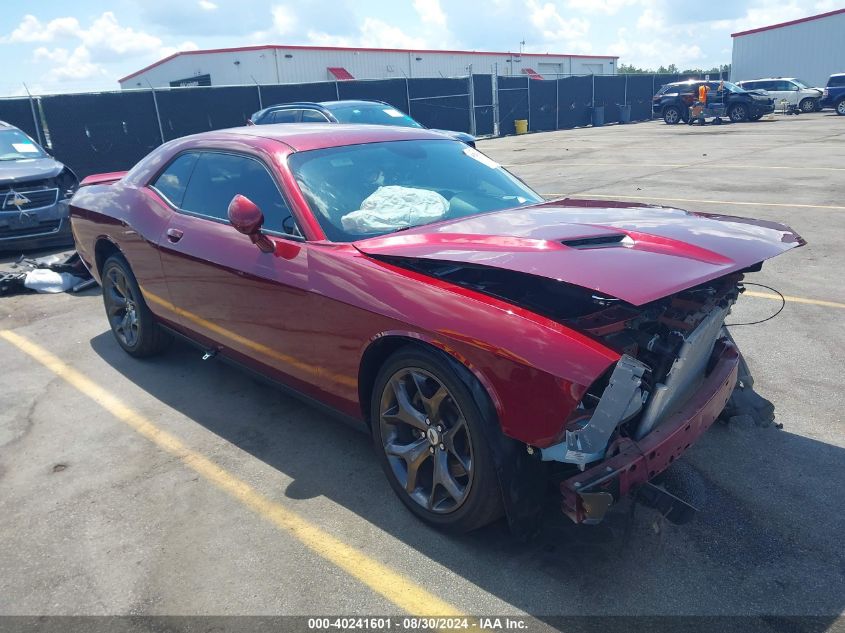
x: 111, y: 131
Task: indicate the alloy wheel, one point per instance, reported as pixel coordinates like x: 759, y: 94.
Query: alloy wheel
x: 426, y: 439
x: 808, y: 105
x: 840, y: 107
x: 738, y: 113
x: 671, y: 116
x: 121, y: 307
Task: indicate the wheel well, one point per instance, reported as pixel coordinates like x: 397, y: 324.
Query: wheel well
x: 379, y: 351
x: 374, y: 357
x: 102, y: 251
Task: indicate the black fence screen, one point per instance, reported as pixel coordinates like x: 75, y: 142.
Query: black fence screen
x: 392, y: 91
x: 103, y: 132
x: 111, y: 131
x: 18, y: 112
x: 287, y: 93
x: 440, y: 103
x: 483, y: 103
x: 186, y: 111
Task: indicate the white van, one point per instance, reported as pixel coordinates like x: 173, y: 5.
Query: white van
x: 793, y: 91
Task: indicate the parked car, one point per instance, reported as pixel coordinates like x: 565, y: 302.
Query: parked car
x: 486, y: 339
x: 348, y: 111
x: 673, y: 101
x: 834, y: 94
x: 794, y: 91
x: 34, y: 193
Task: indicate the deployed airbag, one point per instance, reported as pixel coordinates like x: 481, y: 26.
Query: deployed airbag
x: 394, y: 207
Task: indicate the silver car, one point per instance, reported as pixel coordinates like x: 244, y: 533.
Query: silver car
x: 34, y: 192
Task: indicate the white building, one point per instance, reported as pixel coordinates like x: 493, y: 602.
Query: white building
x: 811, y: 49
x: 303, y: 64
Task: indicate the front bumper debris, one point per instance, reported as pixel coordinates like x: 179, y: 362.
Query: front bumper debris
x: 588, y: 495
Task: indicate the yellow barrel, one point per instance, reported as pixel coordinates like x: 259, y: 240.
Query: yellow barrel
x: 521, y: 126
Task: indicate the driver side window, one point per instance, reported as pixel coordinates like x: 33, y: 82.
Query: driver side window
x: 218, y: 177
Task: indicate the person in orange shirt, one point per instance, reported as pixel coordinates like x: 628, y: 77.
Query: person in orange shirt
x: 698, y: 107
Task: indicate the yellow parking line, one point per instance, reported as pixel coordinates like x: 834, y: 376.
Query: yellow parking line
x: 728, y: 202
x: 814, y: 302
x: 393, y: 586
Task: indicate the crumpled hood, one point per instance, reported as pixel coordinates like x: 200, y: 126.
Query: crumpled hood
x: 636, y: 253
x: 27, y: 169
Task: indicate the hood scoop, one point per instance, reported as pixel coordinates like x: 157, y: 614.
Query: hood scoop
x: 598, y: 241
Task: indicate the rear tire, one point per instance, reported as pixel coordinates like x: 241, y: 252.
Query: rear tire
x: 840, y: 107
x: 429, y: 435
x: 672, y: 115
x: 131, y: 321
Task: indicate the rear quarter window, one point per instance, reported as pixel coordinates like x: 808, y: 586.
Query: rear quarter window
x: 173, y: 181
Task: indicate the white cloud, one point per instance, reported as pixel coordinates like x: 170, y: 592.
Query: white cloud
x: 608, y: 7
x: 430, y: 12
x: 207, y: 5
x: 72, y: 65
x: 31, y: 29
x: 373, y: 33
x: 553, y: 27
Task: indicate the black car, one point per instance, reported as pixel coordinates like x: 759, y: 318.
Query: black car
x: 34, y: 193
x: 370, y: 112
x: 673, y: 101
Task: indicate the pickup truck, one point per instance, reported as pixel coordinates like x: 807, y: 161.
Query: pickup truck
x: 834, y: 94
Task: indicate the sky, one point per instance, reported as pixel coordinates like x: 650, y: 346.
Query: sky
x: 61, y: 46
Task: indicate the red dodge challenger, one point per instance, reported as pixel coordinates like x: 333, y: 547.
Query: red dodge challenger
x: 491, y: 342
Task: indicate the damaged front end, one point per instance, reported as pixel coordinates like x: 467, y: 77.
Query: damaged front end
x: 678, y: 370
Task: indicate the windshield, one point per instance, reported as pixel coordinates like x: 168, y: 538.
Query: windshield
x: 374, y: 114
x: 732, y: 87
x: 15, y: 145
x: 801, y: 84
x: 368, y: 190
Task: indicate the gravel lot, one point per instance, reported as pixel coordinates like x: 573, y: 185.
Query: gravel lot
x: 97, y: 519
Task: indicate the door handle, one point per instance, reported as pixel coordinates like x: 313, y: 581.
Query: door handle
x: 174, y: 235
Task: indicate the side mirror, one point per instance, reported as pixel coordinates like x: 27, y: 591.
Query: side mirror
x: 247, y: 218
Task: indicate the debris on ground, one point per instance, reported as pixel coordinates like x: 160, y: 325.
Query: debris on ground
x: 50, y: 274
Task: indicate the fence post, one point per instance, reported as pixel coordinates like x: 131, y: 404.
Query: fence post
x: 471, y: 90
x: 651, y: 107
x: 336, y: 90
x: 408, y: 96
x: 34, y: 117
x: 557, y: 102
x: 495, y: 86
x: 158, y: 114
x: 528, y: 89
x: 625, y: 99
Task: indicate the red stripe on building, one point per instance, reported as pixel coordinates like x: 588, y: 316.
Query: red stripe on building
x: 790, y: 23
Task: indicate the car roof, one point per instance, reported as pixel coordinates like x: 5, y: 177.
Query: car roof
x: 4, y: 124
x: 769, y: 79
x: 325, y: 105
x: 307, y: 136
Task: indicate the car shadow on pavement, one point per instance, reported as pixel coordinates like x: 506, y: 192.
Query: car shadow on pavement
x: 767, y: 543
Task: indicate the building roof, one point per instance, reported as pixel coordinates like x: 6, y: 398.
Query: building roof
x: 357, y: 50
x: 790, y: 23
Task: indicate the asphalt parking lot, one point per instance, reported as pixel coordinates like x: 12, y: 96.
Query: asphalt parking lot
x: 180, y: 486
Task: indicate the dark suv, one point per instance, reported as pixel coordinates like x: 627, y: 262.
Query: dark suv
x: 673, y: 101
x: 348, y: 111
x: 34, y: 193
x: 834, y: 94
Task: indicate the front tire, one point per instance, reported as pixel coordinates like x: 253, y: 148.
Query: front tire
x: 429, y: 435
x: 738, y: 113
x: 132, y: 323
x: 807, y: 105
